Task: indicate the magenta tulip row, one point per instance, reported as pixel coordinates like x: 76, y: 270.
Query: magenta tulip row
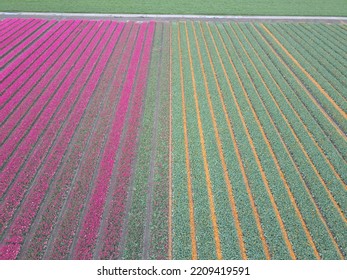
x: 13, y: 51
x: 40, y: 114
x: 6, y: 35
x: 112, y: 230
x: 79, y: 195
x: 32, y: 88
x: 32, y: 61
x: 9, y: 26
x: 24, y: 62
x: 52, y: 145
x: 91, y: 223
x: 53, y: 204
x: 20, y: 37
x: 70, y: 107
x: 12, y: 72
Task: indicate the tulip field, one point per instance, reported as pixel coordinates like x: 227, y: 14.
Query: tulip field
x: 172, y: 140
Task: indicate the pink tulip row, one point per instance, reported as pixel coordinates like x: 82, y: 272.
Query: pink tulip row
x: 14, y: 32
x: 6, y: 24
x: 8, y: 58
x: 112, y: 231
x: 18, y: 188
x: 42, y: 117
x: 89, y: 77
x: 77, y: 199
x: 10, y: 26
x: 32, y: 90
x: 12, y: 75
x: 90, y: 225
x: 20, y: 39
x: 62, y: 183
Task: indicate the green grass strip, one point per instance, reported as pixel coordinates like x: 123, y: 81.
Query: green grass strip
x: 222, y: 7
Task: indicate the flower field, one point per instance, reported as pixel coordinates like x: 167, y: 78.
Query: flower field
x: 172, y: 140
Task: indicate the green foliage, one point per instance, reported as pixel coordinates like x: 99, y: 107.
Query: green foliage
x: 180, y: 215
x: 221, y: 7
x: 293, y: 126
x: 249, y: 229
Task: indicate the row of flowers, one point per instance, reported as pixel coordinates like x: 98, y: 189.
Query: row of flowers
x: 53, y: 144
x: 113, y: 229
x: 17, y: 147
x: 91, y: 223
x: 61, y: 221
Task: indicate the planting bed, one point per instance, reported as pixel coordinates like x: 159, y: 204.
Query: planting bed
x: 172, y: 140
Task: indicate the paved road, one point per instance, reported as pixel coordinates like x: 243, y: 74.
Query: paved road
x: 144, y: 17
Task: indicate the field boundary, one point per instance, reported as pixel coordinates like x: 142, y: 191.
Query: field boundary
x: 163, y: 17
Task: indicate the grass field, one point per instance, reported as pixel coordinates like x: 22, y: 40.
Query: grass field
x: 217, y: 7
x: 172, y: 140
